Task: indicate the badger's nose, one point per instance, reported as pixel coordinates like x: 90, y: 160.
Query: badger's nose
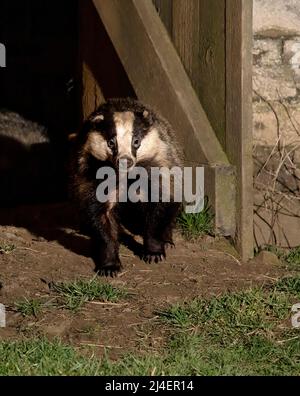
x: 125, y: 162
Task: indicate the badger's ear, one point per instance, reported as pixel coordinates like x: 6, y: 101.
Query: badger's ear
x: 148, y: 117
x: 97, y: 118
x: 95, y: 121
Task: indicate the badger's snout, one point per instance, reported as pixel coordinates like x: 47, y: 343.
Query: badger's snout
x: 125, y: 163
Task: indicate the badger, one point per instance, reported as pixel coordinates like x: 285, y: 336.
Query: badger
x: 30, y: 165
x: 123, y: 129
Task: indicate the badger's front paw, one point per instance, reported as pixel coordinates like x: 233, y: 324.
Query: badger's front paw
x: 107, y: 261
x: 154, y: 250
x: 109, y: 268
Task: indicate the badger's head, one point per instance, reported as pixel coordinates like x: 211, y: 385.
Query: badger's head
x: 115, y: 136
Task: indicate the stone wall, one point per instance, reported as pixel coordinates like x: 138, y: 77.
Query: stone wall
x: 276, y: 106
x: 276, y: 69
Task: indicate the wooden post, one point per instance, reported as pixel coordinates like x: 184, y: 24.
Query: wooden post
x: 239, y: 115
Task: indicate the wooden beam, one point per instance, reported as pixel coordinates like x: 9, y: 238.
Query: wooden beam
x: 239, y: 114
x: 158, y: 76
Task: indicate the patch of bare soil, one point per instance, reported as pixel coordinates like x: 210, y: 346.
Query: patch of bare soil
x: 49, y: 248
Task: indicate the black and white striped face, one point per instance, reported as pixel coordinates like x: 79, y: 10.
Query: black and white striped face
x: 125, y: 135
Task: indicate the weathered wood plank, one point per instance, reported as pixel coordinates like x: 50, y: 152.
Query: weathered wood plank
x: 199, y: 37
x: 239, y: 114
x: 158, y: 76
x: 186, y: 36
x: 164, y: 9
x: 212, y: 64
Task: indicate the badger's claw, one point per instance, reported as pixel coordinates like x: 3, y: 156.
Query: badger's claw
x: 108, y: 272
x: 156, y: 257
x: 169, y: 245
x: 110, y: 268
x: 154, y: 250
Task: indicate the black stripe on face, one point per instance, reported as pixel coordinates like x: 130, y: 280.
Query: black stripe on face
x: 141, y: 127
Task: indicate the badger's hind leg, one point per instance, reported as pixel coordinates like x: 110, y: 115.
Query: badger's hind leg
x: 159, y: 224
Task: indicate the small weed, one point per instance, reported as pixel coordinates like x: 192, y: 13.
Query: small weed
x: 76, y: 293
x: 7, y: 248
x: 194, y: 225
x: 293, y: 257
x: 29, y: 307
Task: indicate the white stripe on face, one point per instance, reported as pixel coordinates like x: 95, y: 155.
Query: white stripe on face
x: 124, y: 129
x: 97, y: 146
x: 153, y: 147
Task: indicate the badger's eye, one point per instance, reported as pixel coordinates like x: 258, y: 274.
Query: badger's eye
x: 136, y: 142
x: 111, y: 143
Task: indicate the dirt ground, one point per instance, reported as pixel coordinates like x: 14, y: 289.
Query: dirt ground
x: 49, y: 248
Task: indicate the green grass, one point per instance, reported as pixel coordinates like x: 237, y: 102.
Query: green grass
x: 6, y: 248
x: 193, y: 225
x: 232, y: 316
x: 76, y: 293
x: 72, y: 295
x: 42, y: 357
x: 241, y: 333
x: 245, y: 333
x: 289, y: 285
x: 29, y: 307
x: 293, y: 258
